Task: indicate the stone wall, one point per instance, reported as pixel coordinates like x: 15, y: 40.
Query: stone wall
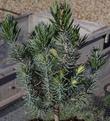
x: 93, y: 10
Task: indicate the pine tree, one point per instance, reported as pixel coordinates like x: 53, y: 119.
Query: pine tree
x: 48, y: 61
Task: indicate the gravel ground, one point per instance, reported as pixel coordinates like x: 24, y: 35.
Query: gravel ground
x: 94, y: 10
x: 14, y: 112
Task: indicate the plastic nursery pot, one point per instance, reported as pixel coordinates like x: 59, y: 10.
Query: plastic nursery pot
x: 70, y: 119
x: 36, y: 119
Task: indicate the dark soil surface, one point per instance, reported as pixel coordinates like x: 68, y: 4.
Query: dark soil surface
x: 70, y: 119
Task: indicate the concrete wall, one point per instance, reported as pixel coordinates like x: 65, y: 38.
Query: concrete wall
x: 93, y: 10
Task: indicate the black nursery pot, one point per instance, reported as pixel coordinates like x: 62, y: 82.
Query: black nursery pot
x: 70, y: 119
x: 36, y: 119
x: 107, y: 111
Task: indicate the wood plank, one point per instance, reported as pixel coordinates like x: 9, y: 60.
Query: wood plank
x: 8, y: 71
x: 6, y: 102
x: 98, y: 34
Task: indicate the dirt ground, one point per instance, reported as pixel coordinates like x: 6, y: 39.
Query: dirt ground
x: 93, y: 10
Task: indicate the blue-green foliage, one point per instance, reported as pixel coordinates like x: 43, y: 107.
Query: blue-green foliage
x: 48, y: 61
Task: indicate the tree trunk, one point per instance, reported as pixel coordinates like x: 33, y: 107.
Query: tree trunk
x: 56, y: 113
